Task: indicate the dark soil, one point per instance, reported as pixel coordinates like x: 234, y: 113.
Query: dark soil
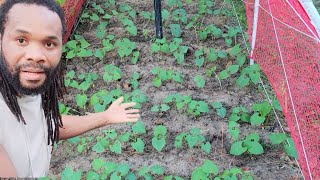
x: 273, y: 164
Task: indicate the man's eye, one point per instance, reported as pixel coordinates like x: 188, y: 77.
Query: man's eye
x: 49, y: 44
x: 21, y: 41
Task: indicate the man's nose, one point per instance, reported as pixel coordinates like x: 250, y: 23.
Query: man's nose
x: 35, y: 53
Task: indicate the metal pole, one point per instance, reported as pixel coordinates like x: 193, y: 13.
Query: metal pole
x: 158, y: 18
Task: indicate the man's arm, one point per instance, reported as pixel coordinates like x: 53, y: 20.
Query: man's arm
x: 118, y: 112
x: 6, y: 167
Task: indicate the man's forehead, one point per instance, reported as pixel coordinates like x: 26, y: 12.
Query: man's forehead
x: 34, y: 18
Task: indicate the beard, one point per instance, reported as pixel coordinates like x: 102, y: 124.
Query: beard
x: 13, y: 77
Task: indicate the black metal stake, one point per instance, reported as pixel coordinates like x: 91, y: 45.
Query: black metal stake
x: 158, y: 18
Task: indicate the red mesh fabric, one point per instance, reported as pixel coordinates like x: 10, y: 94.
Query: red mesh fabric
x: 72, y: 10
x: 292, y: 65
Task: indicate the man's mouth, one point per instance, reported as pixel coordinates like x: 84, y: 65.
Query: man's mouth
x: 32, y: 74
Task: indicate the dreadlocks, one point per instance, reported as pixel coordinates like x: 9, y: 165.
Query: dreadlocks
x: 56, y: 88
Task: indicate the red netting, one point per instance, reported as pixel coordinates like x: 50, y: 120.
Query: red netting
x: 72, y: 10
x: 288, y: 50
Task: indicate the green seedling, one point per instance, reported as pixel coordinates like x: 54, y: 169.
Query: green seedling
x: 180, y: 15
x: 234, y: 174
x: 178, y: 50
x: 199, y: 54
x: 129, y: 26
x: 175, y: 3
x: 108, y: 141
x: 239, y: 113
x: 249, y: 74
x: 205, y: 7
x: 221, y: 111
x: 69, y: 173
x: 261, y: 110
x: 137, y: 143
x: 134, y: 81
x: 232, y: 69
x: 124, y: 47
x: 210, y: 30
x: 206, y: 171
x: 193, y: 139
x: 101, y: 99
x: 138, y: 97
x: 77, y: 48
x: 159, y: 137
x: 175, y: 30
x: 161, y: 108
x: 165, y: 75
x: 91, y: 15
x: 98, y: 8
x: 160, y: 45
x: 197, y: 107
x: 199, y: 81
x: 148, y: 172
x: 250, y: 144
x: 111, y: 73
x: 107, y: 47
x: 63, y: 109
x: 126, y: 8
x: 286, y: 142
x: 231, y: 33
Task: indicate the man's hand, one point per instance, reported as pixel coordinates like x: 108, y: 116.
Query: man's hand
x: 119, y: 112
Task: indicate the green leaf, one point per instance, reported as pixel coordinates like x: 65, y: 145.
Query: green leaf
x: 233, y: 69
x: 158, y: 144
x: 216, y: 105
x: 256, y: 148
x: 200, y: 81
x: 233, y: 128
x: 164, y: 107
x: 191, y: 140
x: 222, y: 112
x: 237, y: 148
x: 212, y: 56
x: 223, y: 74
x: 138, y: 128
x: 94, y: 17
x: 92, y: 176
x: 157, y: 82
x: 243, y: 81
x: 85, y: 53
x: 97, y: 164
x: 135, y: 57
x: 160, y: 130
x: 81, y: 100
x: 209, y: 167
x: 116, y: 147
x: 235, y: 50
x: 175, y: 30
x: 155, y: 108
x: 179, y: 140
x: 132, y: 30
x: 241, y: 59
x: 71, y: 54
x: 277, y: 138
x: 157, y: 170
x: 98, y: 148
x: 199, y: 61
x: 206, y: 147
x: 125, y: 137
x: 123, y: 169
x: 256, y: 119
x: 290, y: 149
x: 138, y: 145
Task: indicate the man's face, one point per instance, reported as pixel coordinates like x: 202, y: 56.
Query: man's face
x: 31, y: 47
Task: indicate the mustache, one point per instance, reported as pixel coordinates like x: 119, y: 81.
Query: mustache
x: 32, y: 66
